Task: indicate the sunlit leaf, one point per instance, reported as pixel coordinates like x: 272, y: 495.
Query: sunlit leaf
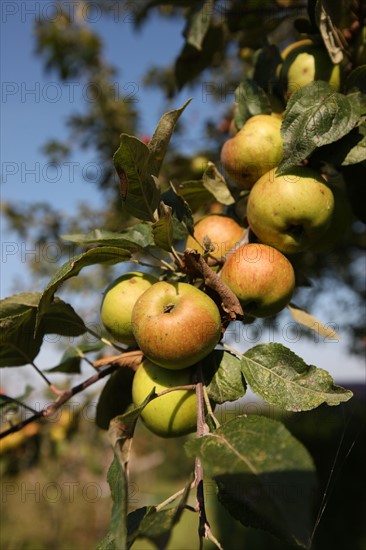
x: 316, y: 115
x: 215, y: 183
x: 282, y: 378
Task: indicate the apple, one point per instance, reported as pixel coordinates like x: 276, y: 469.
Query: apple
x: 223, y: 232
x: 255, y: 149
x: 118, y: 301
x: 292, y: 211
x: 169, y: 415
x: 261, y: 277
x: 175, y: 324
x: 305, y: 63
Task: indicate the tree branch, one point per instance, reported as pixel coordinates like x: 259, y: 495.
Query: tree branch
x: 128, y: 359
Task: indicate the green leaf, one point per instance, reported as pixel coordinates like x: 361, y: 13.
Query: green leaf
x: 71, y: 359
x: 199, y: 24
x: 60, y: 318
x: 351, y: 149
x: 115, y: 397
x: 99, y: 255
x: 195, y: 194
x: 106, y: 238
x: 140, y: 234
x: 118, y: 483
x: 223, y: 377
x: 315, y: 116
x: 265, y: 477
x: 163, y: 228
x: 215, y: 183
x: 19, y: 345
x: 155, y: 525
x: 18, y: 316
x: 180, y: 207
x: 282, y: 378
x: 139, y: 190
x: 250, y: 100
x: 159, y: 142
x: 356, y: 80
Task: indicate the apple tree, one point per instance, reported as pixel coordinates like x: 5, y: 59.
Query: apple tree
x: 226, y: 247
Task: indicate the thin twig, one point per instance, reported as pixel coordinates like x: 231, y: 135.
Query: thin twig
x: 172, y: 498
x: 42, y: 375
x: 61, y: 400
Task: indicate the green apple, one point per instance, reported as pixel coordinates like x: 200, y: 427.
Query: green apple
x: 261, y: 277
x: 223, y: 232
x: 175, y: 324
x: 118, y: 301
x: 169, y: 415
x: 291, y: 211
x: 254, y: 150
x: 306, y: 63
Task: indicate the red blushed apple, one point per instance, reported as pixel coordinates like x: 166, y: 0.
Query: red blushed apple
x: 261, y: 277
x: 175, y: 324
x: 222, y: 231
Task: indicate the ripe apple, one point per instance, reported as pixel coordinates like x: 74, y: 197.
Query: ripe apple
x: 118, y: 301
x: 223, y: 232
x: 261, y: 277
x: 254, y: 150
x: 175, y: 324
x: 290, y: 211
x: 306, y: 62
x: 169, y: 415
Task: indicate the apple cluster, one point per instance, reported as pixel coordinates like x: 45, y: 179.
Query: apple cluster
x: 175, y: 325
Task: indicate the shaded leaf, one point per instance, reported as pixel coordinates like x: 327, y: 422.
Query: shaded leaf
x: 351, y: 149
x: 180, y: 207
x: 18, y: 316
x: 191, y: 62
x: 163, y: 228
x: 215, y: 183
x: 99, y: 255
x: 117, y: 480
x: 155, y: 525
x: 223, y: 376
x: 282, y: 378
x: 115, y: 397
x: 199, y: 24
x: 250, y: 100
x: 265, y: 477
x: 159, y: 142
x: 311, y: 322
x: 315, y: 116
x: 356, y: 80
x: 19, y: 344
x: 71, y: 359
x: 195, y: 194
x: 139, y: 189
x: 60, y: 318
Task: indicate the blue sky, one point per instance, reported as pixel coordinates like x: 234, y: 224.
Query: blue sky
x: 34, y: 106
